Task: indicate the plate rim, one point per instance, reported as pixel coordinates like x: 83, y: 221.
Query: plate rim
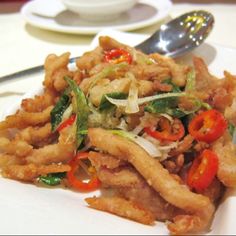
x: 86, y: 30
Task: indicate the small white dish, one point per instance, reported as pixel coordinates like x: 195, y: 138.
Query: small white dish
x: 42, y: 8
x: 144, y: 13
x: 102, y: 10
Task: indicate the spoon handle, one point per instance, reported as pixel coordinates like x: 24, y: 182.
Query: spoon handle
x: 27, y: 72
x: 22, y: 74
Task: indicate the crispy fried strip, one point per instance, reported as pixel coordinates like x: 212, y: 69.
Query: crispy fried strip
x: 178, y: 72
x: 159, y: 178
x: 225, y: 150
x: 100, y: 159
x: 121, y: 207
x: 15, y: 147
x: 108, y: 43
x: 214, y: 191
x: 90, y: 59
x: 58, y: 78
x: 121, y: 177
x: 147, y: 197
x: 34, y: 135
x: 23, y: 119
x: 230, y: 82
x: 39, y: 102
x: 51, y: 65
x: 151, y: 72
x: 6, y: 160
x: 51, y: 153
x: 130, y: 185
x: 204, y: 80
x: 59, y: 152
x: 31, y: 171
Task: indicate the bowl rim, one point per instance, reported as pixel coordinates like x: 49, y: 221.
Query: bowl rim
x: 98, y: 4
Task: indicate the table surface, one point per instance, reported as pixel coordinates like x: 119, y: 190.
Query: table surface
x: 23, y: 46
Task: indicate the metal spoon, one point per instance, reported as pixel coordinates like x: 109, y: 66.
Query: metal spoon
x: 173, y: 39
x: 180, y: 35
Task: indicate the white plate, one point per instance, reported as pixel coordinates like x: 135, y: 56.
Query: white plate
x: 144, y: 13
x: 27, y: 209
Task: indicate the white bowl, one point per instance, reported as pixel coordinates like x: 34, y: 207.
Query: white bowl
x: 99, y: 10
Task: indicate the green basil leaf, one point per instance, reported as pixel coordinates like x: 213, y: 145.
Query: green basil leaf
x: 175, y: 88
x: 166, y: 105
x: 105, y: 104
x: 161, y: 105
x: 81, y: 110
x: 231, y: 129
x: 170, y: 105
x: 52, y: 179
x: 59, y: 108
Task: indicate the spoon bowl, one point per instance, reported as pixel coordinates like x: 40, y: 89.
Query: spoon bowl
x: 180, y: 35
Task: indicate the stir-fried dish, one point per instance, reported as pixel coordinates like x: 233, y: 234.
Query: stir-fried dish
x: 156, y: 134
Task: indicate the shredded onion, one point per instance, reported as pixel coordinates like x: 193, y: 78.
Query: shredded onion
x: 67, y: 113
x: 123, y: 125
x: 132, y: 100
x: 168, y: 117
x: 150, y: 148
x: 123, y: 102
x: 163, y: 149
x: 137, y: 129
x: 104, y: 73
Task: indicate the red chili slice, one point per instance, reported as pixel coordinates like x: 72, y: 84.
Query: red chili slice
x: 203, y: 170
x: 93, y: 184
x: 66, y: 123
x: 208, y: 126
x: 116, y: 56
x: 166, y: 132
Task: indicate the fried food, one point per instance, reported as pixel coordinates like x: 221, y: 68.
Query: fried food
x: 106, y: 86
x: 23, y: 119
x: 151, y: 72
x: 220, y: 93
x: 123, y: 208
x: 53, y: 153
x: 16, y: 147
x: 39, y: 102
x: 53, y: 66
x: 9, y: 160
x: 227, y: 161
x: 199, y: 206
x: 36, y: 136
x: 31, y: 171
x: 99, y: 160
x: 133, y: 124
x: 178, y: 72
x: 117, y: 174
x: 120, y: 177
x: 90, y: 59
